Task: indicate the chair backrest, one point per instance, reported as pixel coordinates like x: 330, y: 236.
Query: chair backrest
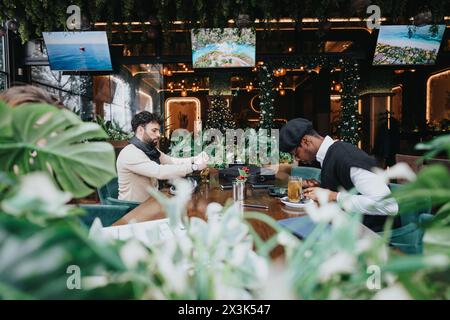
x: 306, y: 172
x: 116, y: 202
x: 408, y: 237
x: 108, y: 214
x: 109, y: 190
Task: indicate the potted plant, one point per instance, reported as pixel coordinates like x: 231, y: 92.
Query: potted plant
x: 117, y: 136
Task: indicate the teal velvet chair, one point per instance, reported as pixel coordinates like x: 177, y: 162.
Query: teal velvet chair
x: 306, y: 173
x: 109, y: 190
x: 109, y: 194
x: 408, y: 238
x: 108, y: 214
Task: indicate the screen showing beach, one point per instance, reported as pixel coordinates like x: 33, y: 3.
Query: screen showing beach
x: 78, y: 51
x: 408, y: 44
x: 223, y: 48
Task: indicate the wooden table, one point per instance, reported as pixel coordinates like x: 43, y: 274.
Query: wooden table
x: 211, y: 192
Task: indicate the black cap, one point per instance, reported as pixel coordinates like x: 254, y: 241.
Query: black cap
x: 292, y: 132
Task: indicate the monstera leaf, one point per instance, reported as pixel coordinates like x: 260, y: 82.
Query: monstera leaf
x: 40, y: 137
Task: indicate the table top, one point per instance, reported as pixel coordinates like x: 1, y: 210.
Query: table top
x: 211, y: 192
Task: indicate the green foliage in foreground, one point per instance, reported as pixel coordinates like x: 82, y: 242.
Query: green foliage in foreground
x: 41, y: 238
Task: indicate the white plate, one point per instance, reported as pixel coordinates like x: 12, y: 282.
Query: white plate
x: 302, y: 204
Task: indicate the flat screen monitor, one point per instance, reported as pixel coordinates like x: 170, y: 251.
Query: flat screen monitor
x: 223, y: 47
x: 78, y: 51
x: 408, y: 44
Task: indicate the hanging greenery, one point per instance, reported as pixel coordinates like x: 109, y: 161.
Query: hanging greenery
x: 349, y: 128
x: 30, y: 13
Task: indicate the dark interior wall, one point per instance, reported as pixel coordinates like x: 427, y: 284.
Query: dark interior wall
x: 414, y: 100
x: 321, y: 102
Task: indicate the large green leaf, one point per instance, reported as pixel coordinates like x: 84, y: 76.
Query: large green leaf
x: 46, y: 138
x: 432, y: 185
x: 5, y: 120
x: 34, y: 261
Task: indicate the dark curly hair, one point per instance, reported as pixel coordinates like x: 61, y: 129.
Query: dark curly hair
x: 143, y: 118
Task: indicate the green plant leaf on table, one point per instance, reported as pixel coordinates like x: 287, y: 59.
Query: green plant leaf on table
x: 45, y: 138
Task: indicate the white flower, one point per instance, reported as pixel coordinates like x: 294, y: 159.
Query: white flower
x: 38, y: 186
x: 437, y: 261
x: 226, y: 292
x: 175, y: 206
x: 133, y: 252
x: 213, y: 209
x: 396, y: 292
x: 399, y: 171
x: 277, y: 286
x: 96, y: 232
x: 260, y: 269
x: 239, y: 254
x: 329, y: 212
x: 287, y: 240
x: 339, y: 263
x: 92, y: 282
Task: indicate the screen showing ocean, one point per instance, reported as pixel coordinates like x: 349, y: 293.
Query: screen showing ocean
x: 68, y: 52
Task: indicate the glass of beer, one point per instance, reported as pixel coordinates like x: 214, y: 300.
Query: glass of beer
x: 295, y: 189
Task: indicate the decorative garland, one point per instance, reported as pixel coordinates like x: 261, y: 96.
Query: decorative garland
x: 219, y: 115
x: 266, y: 96
x: 349, y: 128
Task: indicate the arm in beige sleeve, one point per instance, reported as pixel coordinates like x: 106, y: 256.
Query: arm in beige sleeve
x: 146, y: 167
x: 165, y: 159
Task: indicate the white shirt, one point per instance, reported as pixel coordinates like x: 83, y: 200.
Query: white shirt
x: 371, y: 188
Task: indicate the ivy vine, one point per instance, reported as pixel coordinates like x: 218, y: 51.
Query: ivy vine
x: 36, y: 16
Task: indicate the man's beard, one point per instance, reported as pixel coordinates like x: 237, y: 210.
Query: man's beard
x: 150, y: 142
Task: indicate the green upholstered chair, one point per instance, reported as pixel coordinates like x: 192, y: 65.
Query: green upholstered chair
x: 109, y: 194
x: 130, y: 204
x: 306, y: 173
x: 408, y: 238
x: 108, y: 214
x: 109, y: 190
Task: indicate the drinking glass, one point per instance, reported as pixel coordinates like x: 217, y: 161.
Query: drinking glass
x: 295, y: 189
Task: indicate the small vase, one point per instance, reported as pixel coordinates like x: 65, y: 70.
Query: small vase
x: 238, y: 191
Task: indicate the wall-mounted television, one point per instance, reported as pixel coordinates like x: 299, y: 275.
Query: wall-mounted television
x: 223, y: 47
x: 78, y: 51
x: 408, y: 44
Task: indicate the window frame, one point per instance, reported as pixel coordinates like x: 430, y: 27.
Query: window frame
x: 4, y: 57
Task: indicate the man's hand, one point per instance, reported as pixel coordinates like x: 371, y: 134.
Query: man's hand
x: 311, y: 193
x: 309, y: 183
